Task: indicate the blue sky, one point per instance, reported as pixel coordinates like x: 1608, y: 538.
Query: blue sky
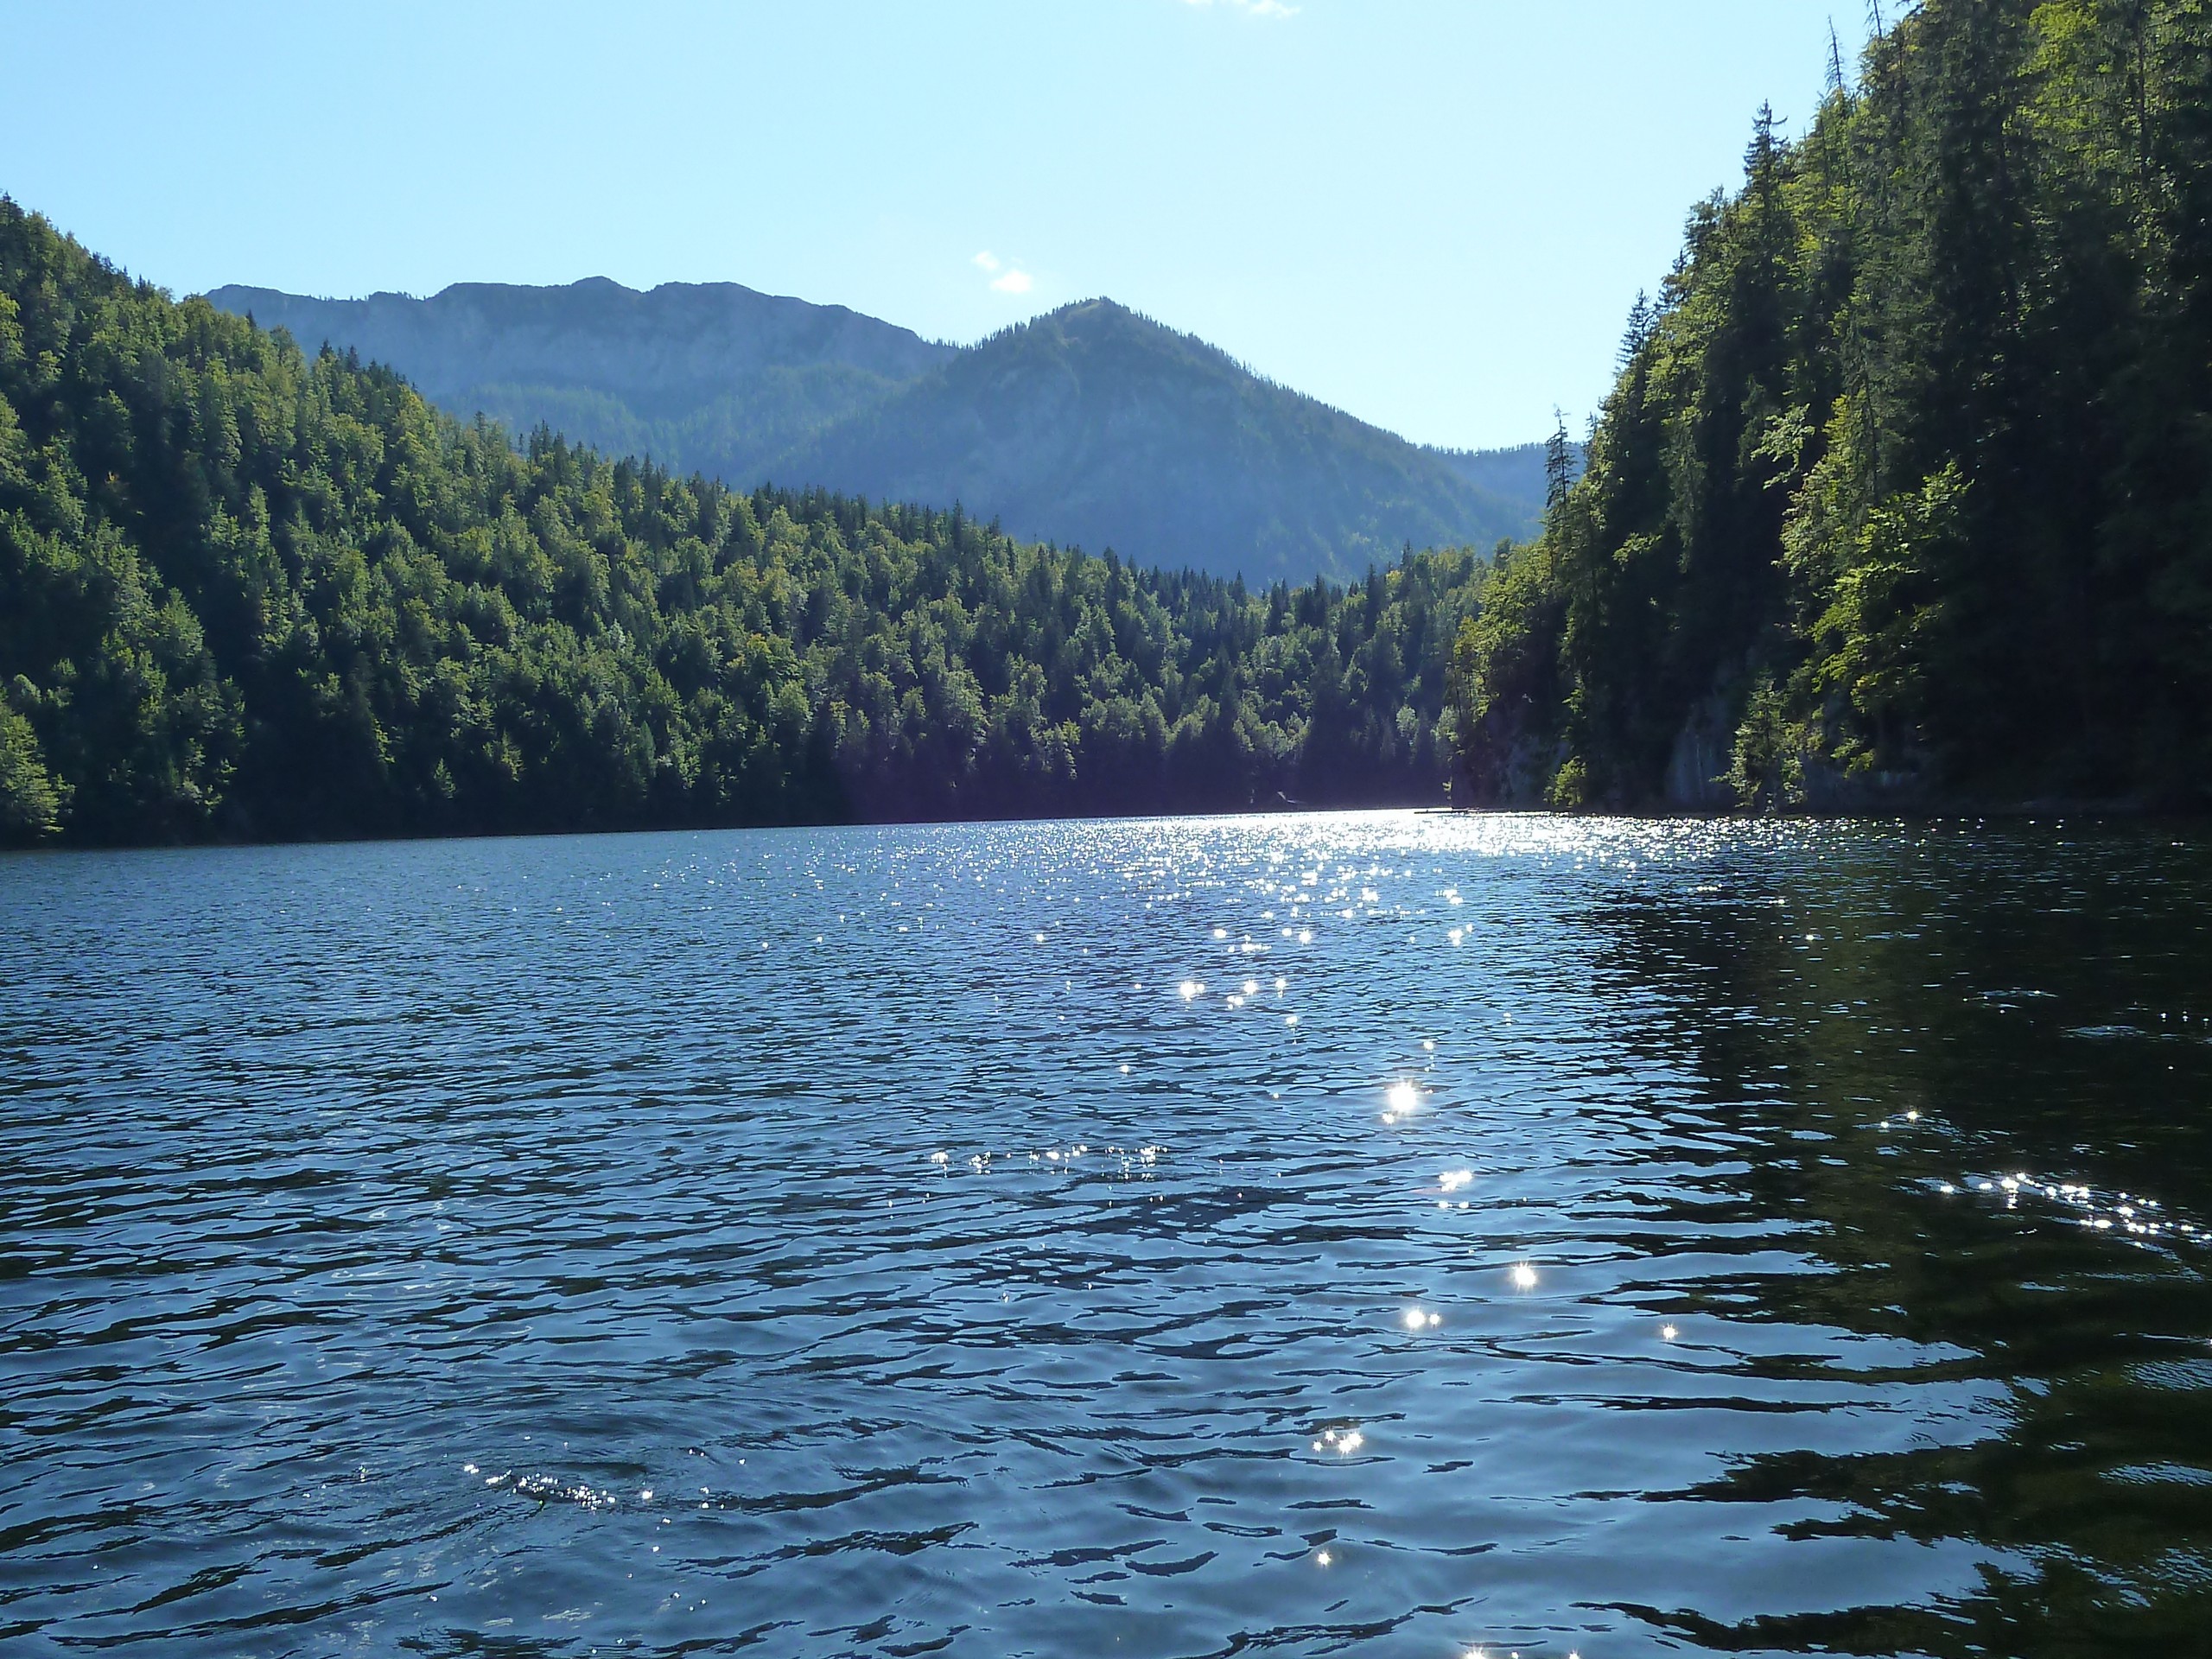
x: 1434, y: 214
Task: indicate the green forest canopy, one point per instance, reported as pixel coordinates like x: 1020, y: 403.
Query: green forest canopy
x: 248, y: 595
x: 1904, y: 491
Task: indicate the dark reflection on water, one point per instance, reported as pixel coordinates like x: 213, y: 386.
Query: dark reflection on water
x: 1791, y: 1246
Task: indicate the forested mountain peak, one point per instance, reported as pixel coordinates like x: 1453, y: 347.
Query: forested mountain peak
x: 1095, y: 425
x: 1105, y: 323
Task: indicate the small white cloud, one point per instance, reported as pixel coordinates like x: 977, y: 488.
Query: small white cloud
x: 988, y: 260
x: 1015, y: 282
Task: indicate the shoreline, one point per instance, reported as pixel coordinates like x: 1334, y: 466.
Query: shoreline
x: 2110, y: 813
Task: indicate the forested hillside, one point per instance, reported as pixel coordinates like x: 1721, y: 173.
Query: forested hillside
x: 1904, y: 491
x: 1091, y: 426
x: 245, y: 593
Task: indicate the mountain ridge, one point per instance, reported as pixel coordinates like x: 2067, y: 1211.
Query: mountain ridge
x: 646, y: 372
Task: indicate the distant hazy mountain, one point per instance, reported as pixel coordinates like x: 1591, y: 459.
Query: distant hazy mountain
x: 1091, y: 426
x: 707, y: 377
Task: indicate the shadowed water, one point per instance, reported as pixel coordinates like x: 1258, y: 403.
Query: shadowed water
x: 1386, y: 1233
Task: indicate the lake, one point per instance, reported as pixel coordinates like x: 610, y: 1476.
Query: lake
x: 1389, y: 1234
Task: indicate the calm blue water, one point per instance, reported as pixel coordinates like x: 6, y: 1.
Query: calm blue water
x: 1383, y: 1233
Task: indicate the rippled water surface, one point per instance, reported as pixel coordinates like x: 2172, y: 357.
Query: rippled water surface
x: 1381, y: 1234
